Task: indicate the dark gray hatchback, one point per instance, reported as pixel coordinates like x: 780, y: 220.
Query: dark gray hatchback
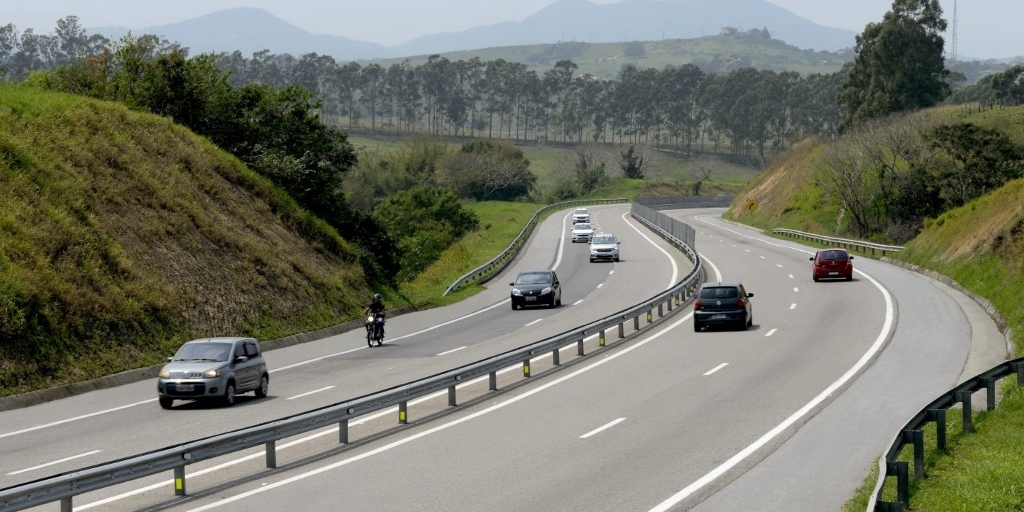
x: 723, y: 304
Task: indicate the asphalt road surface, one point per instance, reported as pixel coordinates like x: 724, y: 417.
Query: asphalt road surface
x: 793, y: 410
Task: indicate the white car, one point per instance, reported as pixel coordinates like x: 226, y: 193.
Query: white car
x: 582, y: 232
x: 581, y: 215
x: 604, y: 246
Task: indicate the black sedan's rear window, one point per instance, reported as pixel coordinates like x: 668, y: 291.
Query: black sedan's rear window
x: 721, y: 292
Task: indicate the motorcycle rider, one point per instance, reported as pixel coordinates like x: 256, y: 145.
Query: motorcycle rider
x: 376, y: 308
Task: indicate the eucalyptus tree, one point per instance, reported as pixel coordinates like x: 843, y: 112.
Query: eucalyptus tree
x: 34, y: 53
x: 372, y: 91
x: 899, y: 64
x: 680, y: 87
x: 8, y: 47
x: 404, y: 87
x: 346, y: 81
x: 559, y: 81
x: 311, y: 72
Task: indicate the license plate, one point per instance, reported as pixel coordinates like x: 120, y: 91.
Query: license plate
x: 185, y: 387
x: 718, y: 317
x: 833, y: 273
x: 528, y: 299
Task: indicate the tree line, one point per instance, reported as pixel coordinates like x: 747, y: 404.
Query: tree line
x: 746, y: 111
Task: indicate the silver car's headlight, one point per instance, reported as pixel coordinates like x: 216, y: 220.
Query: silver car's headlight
x: 545, y: 291
x: 516, y: 292
x: 210, y: 374
x: 165, y: 374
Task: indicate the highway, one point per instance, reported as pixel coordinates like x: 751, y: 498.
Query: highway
x: 670, y: 419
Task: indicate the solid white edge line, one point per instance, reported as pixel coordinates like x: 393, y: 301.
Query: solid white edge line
x: 73, y: 457
x: 452, y: 350
x: 715, y: 369
x: 781, y: 427
x: 533, y: 322
x: 675, y: 268
x: 309, y: 393
x: 600, y: 429
x: 770, y: 332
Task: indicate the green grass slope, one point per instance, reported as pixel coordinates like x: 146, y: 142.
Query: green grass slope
x: 124, y: 234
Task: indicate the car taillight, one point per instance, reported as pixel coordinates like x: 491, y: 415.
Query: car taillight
x: 740, y: 303
x: 696, y: 304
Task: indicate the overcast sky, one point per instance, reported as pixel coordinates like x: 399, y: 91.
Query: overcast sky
x: 987, y: 28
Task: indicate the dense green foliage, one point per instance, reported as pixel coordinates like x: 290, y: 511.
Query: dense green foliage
x: 277, y: 132
x: 899, y: 65
x: 125, y: 234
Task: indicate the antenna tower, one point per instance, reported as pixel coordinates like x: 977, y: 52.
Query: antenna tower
x: 953, y: 44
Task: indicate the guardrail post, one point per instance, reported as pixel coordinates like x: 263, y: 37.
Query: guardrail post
x: 343, y: 431
x: 671, y: 300
x: 579, y: 344
x: 622, y: 330
x: 661, y: 311
x: 939, y: 417
x: 451, y: 396
x: 902, y: 482
x: 964, y: 397
x: 271, y: 449
x: 179, y: 481
x: 403, y: 412
x: 636, y: 323
x: 1019, y: 368
x: 555, y: 358
x: 990, y: 387
x: 650, y: 315
x: 65, y: 504
x: 493, y: 381
x: 526, y: 368
x: 917, y: 438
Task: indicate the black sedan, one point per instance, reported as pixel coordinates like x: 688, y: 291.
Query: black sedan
x: 536, y: 287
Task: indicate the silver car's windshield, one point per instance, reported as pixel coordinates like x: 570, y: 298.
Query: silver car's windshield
x: 203, y: 352
x: 604, y: 240
x: 583, y: 226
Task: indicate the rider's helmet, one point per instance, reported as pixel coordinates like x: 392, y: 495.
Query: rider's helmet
x: 376, y: 298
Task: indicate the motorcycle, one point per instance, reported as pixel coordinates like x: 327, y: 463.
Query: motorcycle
x: 375, y: 329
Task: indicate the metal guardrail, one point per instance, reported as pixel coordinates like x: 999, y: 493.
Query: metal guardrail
x: 841, y: 242
x: 659, y: 221
x: 492, y: 268
x: 913, y: 433
x: 64, y: 487
x: 671, y: 203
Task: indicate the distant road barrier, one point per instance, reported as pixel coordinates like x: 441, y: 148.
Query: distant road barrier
x: 913, y: 433
x: 64, y: 487
x: 857, y: 245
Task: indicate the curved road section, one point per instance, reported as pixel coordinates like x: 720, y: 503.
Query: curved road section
x: 794, y: 409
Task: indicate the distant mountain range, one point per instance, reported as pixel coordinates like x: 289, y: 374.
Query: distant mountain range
x: 250, y: 30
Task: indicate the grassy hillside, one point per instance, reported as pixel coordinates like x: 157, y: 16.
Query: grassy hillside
x: 124, y: 234
x: 719, y: 54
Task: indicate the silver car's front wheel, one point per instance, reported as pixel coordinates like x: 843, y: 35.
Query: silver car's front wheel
x: 229, y: 394
x: 264, y: 386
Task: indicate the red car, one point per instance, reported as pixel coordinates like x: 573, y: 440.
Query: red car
x: 832, y: 264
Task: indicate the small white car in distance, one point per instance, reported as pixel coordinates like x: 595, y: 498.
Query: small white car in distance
x: 580, y: 215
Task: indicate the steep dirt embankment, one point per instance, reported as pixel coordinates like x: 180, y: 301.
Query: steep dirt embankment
x: 123, y: 234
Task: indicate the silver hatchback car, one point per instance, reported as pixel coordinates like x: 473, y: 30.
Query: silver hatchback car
x: 213, y: 368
